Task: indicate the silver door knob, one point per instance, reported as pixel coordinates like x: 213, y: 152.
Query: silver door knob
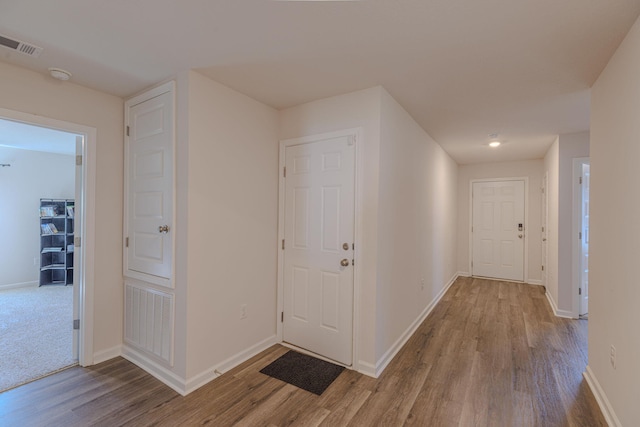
x: 163, y: 229
x: 520, y: 236
x: 544, y: 239
x: 344, y: 263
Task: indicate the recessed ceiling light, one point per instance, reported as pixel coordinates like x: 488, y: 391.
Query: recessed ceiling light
x: 59, y: 74
x: 494, y: 144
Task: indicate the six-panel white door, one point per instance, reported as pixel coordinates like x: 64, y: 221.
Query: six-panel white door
x: 319, y: 237
x: 150, y: 189
x: 498, y: 230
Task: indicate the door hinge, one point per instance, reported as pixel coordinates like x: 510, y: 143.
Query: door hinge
x: 127, y: 130
x: 77, y: 242
x: 282, y: 316
x: 76, y: 324
x: 126, y: 242
x: 78, y: 160
x: 580, y: 180
x: 353, y: 246
x: 543, y: 229
x: 543, y: 268
x: 579, y: 291
x: 580, y: 235
x: 282, y: 243
x: 472, y: 228
x: 542, y: 190
x: 284, y: 172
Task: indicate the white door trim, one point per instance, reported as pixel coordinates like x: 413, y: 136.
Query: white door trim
x: 357, y: 132
x: 576, y: 227
x: 527, y: 230
x: 87, y: 232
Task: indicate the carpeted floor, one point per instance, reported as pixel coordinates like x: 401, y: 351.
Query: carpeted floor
x: 36, y: 335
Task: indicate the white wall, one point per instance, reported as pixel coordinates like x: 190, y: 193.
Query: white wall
x: 33, y: 175
x: 417, y: 222
x: 532, y: 169
x: 30, y: 92
x: 614, y: 295
x: 552, y: 169
x: 359, y: 109
x: 232, y: 220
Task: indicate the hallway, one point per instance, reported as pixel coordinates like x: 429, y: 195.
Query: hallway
x: 490, y: 354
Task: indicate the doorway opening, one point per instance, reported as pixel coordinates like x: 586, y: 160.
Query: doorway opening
x: 580, y: 255
x: 43, y: 291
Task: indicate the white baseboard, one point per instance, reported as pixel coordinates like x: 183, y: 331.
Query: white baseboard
x: 367, y: 369
x: 183, y: 386
x: 104, y: 355
x: 212, y: 373
x: 19, y: 285
x: 601, y: 398
x: 534, y: 282
x: 154, y: 368
x: 402, y: 340
x: 463, y: 274
x: 559, y: 313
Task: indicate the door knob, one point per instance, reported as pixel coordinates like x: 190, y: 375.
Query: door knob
x: 544, y: 239
x: 344, y: 262
x: 520, y: 236
x: 163, y: 229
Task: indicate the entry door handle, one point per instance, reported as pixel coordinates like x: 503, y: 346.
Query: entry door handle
x: 519, y: 236
x: 163, y: 229
x: 344, y: 262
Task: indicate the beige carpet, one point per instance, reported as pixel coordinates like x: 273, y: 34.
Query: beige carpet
x: 36, y: 333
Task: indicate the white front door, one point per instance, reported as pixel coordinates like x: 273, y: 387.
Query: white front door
x: 584, y: 241
x: 498, y: 229
x: 319, y: 247
x: 150, y: 189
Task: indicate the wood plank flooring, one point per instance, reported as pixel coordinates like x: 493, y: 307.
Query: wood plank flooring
x: 490, y: 354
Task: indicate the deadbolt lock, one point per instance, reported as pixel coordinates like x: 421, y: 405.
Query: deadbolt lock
x: 345, y: 246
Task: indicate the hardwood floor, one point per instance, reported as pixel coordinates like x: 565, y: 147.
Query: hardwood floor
x: 490, y: 354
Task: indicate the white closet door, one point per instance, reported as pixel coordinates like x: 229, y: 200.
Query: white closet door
x: 150, y: 188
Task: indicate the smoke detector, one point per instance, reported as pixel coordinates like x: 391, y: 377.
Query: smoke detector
x: 60, y: 74
x: 20, y: 46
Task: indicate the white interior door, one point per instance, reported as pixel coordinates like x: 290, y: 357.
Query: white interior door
x: 498, y: 229
x: 584, y: 241
x: 319, y: 251
x: 150, y: 189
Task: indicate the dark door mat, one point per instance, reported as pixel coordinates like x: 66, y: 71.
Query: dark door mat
x: 305, y: 372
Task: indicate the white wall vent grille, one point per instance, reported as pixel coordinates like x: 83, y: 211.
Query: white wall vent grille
x: 148, y: 321
x: 20, y: 46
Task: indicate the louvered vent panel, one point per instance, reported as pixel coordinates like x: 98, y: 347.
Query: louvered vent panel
x: 149, y: 321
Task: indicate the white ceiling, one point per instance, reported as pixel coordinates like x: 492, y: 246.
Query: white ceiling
x: 35, y: 138
x: 462, y: 68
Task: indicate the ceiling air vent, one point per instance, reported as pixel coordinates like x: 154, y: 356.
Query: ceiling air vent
x: 22, y: 47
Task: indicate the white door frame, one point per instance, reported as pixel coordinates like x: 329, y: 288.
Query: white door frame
x: 576, y: 228
x: 526, y: 220
x: 544, y: 241
x: 357, y: 272
x: 87, y: 232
